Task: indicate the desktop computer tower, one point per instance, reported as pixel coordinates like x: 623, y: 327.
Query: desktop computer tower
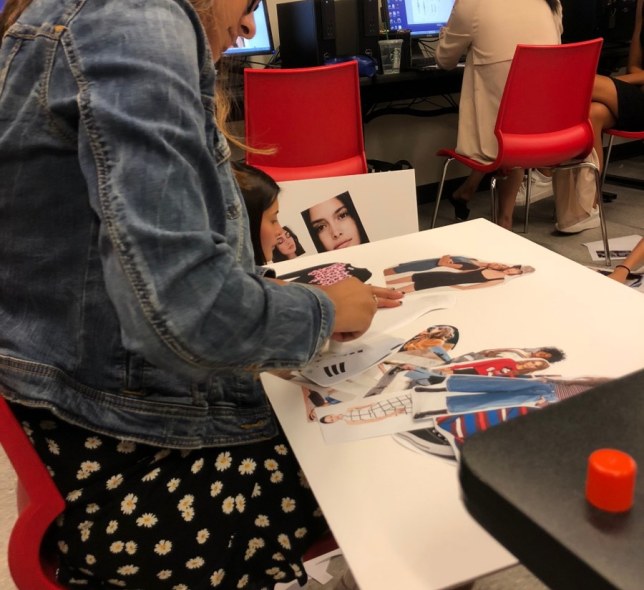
x: 314, y: 30
x: 357, y: 27
x: 307, y: 31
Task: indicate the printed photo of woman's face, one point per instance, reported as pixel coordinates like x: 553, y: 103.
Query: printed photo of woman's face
x: 286, y: 244
x: 333, y: 224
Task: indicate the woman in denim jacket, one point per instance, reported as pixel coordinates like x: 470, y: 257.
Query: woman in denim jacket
x: 133, y: 321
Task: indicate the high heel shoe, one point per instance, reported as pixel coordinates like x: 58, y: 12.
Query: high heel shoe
x: 461, y: 210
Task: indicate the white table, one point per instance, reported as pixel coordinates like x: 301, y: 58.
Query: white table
x: 396, y: 513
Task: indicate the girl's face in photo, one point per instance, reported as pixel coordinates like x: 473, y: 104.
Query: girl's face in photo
x: 333, y: 224
x: 270, y: 230
x: 286, y: 244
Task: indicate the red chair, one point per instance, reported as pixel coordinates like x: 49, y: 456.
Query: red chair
x: 613, y: 133
x: 310, y: 116
x: 39, y: 503
x: 543, y: 117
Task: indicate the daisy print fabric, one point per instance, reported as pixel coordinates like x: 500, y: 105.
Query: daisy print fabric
x: 139, y: 517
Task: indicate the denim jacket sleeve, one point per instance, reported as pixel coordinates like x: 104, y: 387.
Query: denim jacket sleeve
x: 176, y: 255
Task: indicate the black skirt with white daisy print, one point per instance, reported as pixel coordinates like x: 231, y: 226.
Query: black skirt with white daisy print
x: 140, y: 517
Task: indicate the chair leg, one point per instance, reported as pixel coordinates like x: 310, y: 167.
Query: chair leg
x: 440, y: 190
x: 602, y: 218
x: 493, y: 198
x: 527, y: 200
x: 609, y: 149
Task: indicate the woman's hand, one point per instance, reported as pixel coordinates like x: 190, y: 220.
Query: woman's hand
x: 387, y: 297
x: 355, y: 305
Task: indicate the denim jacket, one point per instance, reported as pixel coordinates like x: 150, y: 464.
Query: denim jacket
x: 129, y: 299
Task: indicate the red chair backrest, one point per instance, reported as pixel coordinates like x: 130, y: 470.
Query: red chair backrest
x: 543, y: 115
x: 311, y: 116
x: 39, y: 503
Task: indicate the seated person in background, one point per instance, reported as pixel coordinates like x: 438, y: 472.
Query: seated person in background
x: 488, y: 31
x: 632, y: 262
x: 619, y: 101
x: 260, y: 196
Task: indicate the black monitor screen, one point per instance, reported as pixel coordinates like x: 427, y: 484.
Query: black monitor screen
x: 424, y: 18
x: 261, y: 43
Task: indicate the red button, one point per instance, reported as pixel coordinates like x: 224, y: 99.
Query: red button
x: 610, y: 481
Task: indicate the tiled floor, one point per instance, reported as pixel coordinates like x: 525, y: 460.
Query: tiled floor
x: 625, y: 217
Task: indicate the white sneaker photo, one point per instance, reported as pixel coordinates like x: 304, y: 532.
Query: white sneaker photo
x: 541, y: 187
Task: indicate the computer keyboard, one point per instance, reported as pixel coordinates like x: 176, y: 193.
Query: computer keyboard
x: 421, y: 62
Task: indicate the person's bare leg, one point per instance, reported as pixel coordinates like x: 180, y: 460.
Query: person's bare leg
x: 466, y: 191
x: 603, y: 112
x: 507, y: 189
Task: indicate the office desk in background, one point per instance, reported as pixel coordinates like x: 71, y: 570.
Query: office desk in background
x: 396, y: 513
x: 533, y: 501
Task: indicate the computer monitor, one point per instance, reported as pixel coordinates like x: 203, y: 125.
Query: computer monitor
x: 261, y: 43
x: 424, y: 18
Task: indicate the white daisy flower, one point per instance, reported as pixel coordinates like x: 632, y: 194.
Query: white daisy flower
x: 288, y: 504
x: 147, y: 520
x: 74, y: 495
x: 92, y: 508
x: 93, y: 442
x: 87, y: 468
x: 279, y: 575
x: 152, y: 475
x: 77, y: 582
x: 180, y: 587
x: 228, y: 505
x: 188, y: 514
x: 247, y: 467
x: 128, y: 570
x: 249, y: 553
x: 240, y: 503
x: 223, y: 461
x: 215, y: 488
x: 318, y: 512
x: 90, y: 559
x: 278, y: 557
x: 281, y: 449
x: 277, y: 477
x: 173, y: 484
x: 197, y: 466
x: 243, y: 581
x: 117, y: 547
x: 115, y: 582
x: 84, y: 528
x: 284, y: 541
x: 300, y: 533
x: 53, y: 447
x: 303, y: 481
x: 271, y: 464
x: 126, y: 447
x: 195, y: 563
x: 257, y: 491
x: 217, y: 578
x: 186, y: 502
x: 112, y: 527
x: 63, y: 547
x: 256, y: 543
x: 114, y: 482
x: 202, y: 536
x: 164, y: 574
x: 272, y: 571
x: 128, y: 505
x: 161, y: 455
x: 131, y: 547
x: 163, y: 547
x: 262, y: 521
